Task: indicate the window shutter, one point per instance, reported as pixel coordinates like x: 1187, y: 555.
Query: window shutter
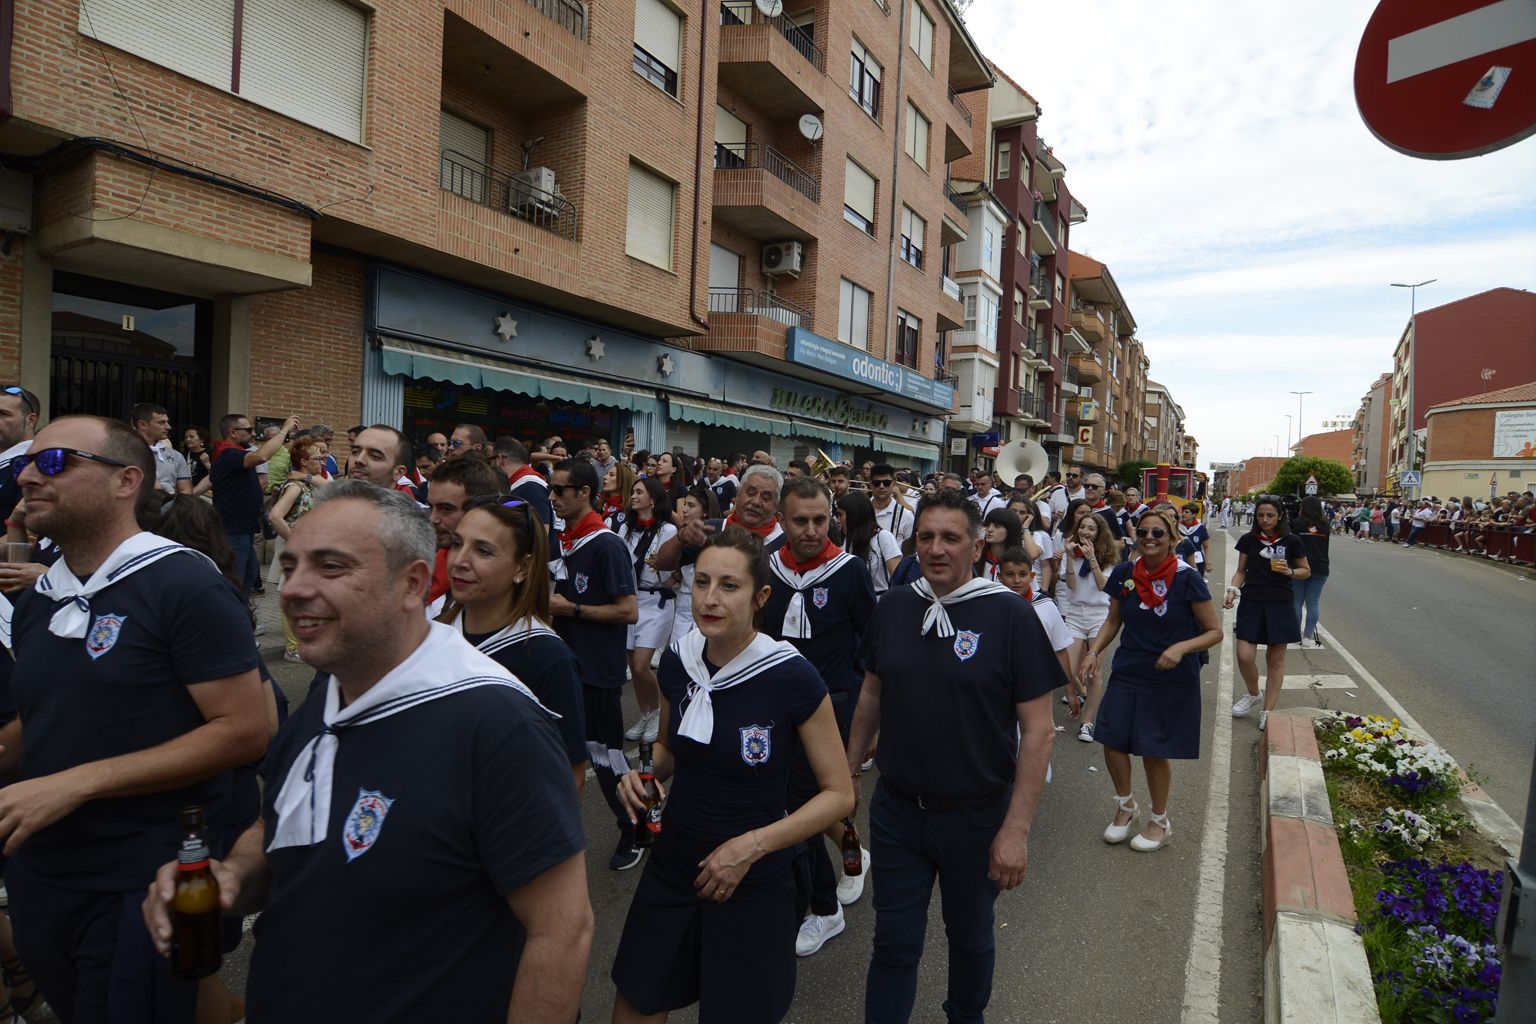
x: 651, y: 199
x: 658, y: 30
x: 920, y: 35
x: 307, y: 59
x: 195, y: 38
x: 466, y: 150
x: 917, y: 135
x: 859, y: 191
x: 870, y: 64
x: 730, y: 130
x: 464, y: 137
x: 724, y: 269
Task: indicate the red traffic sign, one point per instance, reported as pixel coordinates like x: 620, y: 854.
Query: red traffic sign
x: 1445, y: 79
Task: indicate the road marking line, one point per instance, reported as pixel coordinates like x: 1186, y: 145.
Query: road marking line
x: 1303, y: 681
x: 1463, y: 37
x: 1407, y: 720
x: 1202, y: 969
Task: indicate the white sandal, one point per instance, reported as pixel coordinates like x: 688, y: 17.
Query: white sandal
x: 1117, y: 833
x: 1141, y: 844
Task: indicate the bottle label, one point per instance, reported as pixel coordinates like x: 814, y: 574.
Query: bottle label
x: 193, y: 855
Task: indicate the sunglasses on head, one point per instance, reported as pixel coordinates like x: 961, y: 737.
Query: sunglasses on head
x: 489, y: 500
x: 51, y: 461
x: 25, y: 396
x: 1153, y: 532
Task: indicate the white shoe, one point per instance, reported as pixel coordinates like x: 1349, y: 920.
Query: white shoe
x: 1246, y: 704
x: 652, y: 722
x: 1141, y: 844
x: 816, y: 929
x: 1263, y: 720
x: 851, y: 887
x: 1117, y: 833
x: 1311, y: 643
x: 1086, y: 732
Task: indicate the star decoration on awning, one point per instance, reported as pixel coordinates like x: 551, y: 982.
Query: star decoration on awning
x: 664, y: 365
x: 506, y: 327
x: 594, y: 348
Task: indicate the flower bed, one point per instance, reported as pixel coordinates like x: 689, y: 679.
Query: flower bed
x: 1426, y: 884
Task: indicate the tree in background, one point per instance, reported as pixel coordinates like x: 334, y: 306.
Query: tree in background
x: 1129, y: 471
x: 1333, y: 477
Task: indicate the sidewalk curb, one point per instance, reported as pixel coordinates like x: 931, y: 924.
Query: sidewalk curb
x: 1315, y: 968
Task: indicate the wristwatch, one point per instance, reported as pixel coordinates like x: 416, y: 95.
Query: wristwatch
x: 577, y: 612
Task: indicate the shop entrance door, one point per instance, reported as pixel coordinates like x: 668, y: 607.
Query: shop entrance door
x: 116, y: 345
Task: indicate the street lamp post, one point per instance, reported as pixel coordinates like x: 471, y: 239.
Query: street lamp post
x: 1287, y: 431
x: 1299, y: 396
x: 1413, y: 306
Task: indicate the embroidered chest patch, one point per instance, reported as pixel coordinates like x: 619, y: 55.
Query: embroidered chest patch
x: 819, y: 597
x: 756, y: 744
x: 967, y: 644
x: 1160, y: 588
x: 364, y: 823
x: 581, y: 582
x: 103, y: 634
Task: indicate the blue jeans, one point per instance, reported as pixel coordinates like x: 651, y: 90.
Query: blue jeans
x: 909, y: 847
x: 247, y: 570
x: 1307, y: 594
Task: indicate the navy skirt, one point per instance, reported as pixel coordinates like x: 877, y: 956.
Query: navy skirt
x: 1267, y: 622
x: 1150, y: 718
x: 735, y: 959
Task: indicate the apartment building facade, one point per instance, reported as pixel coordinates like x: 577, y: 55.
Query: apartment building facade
x: 1368, y: 438
x: 1111, y: 376
x: 1165, y: 423
x: 535, y: 216
x: 1329, y: 444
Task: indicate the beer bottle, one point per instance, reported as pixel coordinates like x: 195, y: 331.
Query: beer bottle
x: 195, y: 940
x: 648, y: 824
x: 853, y: 854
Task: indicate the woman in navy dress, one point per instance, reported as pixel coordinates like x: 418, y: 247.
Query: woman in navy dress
x: 1269, y: 557
x: 714, y: 920
x: 1151, y: 707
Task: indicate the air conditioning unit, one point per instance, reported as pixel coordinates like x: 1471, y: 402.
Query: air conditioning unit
x: 783, y: 258
x: 532, y: 190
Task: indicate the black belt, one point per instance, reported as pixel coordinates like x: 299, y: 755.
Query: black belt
x: 667, y: 593
x: 937, y: 803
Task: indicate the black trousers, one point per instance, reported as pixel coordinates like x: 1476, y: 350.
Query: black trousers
x: 816, y: 876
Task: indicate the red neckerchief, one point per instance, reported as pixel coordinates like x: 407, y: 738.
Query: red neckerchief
x: 521, y: 472
x: 1270, y: 541
x: 645, y: 524
x: 761, y: 531
x: 1102, y: 504
x: 611, y: 503
x: 220, y: 447
x: 1144, y: 578
x: 1029, y: 594
x: 828, y: 552
x: 589, y: 523
x: 439, y: 576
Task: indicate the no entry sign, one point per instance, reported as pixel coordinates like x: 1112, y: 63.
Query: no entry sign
x: 1443, y: 79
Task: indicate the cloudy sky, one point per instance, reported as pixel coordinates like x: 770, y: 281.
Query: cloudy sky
x: 1251, y: 220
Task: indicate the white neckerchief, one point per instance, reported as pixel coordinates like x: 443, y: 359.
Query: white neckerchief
x: 14, y: 450
x: 699, y: 716
x: 72, y: 617
x: 444, y: 664
x: 512, y: 633
x: 557, y: 569
x: 796, y: 623
x: 937, y: 616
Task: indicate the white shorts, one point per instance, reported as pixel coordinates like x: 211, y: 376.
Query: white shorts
x: 682, y: 616
x: 655, y: 626
x: 1083, y: 620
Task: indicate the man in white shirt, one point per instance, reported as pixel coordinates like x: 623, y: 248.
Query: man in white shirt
x: 153, y: 424
x: 890, y: 511
x: 1422, y: 517
x: 987, y: 497
x: 1075, y: 483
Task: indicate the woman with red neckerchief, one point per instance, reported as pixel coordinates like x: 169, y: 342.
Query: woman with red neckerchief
x: 648, y: 526
x: 618, y: 485
x: 1151, y: 707
x: 1269, y: 557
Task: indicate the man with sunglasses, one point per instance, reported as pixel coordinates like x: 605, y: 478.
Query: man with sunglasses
x: 18, y: 419
x: 891, y: 511
x: 136, y: 683
x: 466, y: 438
x: 1095, y: 489
x: 237, y: 490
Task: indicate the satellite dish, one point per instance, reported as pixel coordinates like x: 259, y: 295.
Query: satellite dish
x: 770, y: 8
x: 810, y: 124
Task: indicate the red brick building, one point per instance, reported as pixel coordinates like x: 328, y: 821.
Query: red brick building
x: 1481, y: 441
x: 1331, y: 444
x: 1256, y: 473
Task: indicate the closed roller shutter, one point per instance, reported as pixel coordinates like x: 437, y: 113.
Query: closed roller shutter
x: 466, y: 152
x: 859, y: 192
x: 651, y: 202
x: 658, y: 31
x: 307, y: 59
x: 193, y: 37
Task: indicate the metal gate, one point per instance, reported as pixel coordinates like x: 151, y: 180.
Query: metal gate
x: 109, y: 385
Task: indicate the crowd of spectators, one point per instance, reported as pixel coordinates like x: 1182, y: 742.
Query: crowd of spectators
x: 1476, y: 526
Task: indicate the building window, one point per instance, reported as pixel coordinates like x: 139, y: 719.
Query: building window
x: 466, y: 151
x: 970, y: 312
x: 305, y: 59
x: 917, y: 136
x: 730, y: 140
x: 864, y: 80
x: 920, y: 35
x: 1004, y: 159
x: 859, y: 197
x: 988, y: 250
x: 1056, y: 343
x: 908, y: 329
x: 652, y: 209
x: 913, y: 229
x: 1018, y: 304
x: 1061, y: 286
x: 853, y: 314
x: 658, y: 34
x: 1020, y: 237
x: 987, y: 322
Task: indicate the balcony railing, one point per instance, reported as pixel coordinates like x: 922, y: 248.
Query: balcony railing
x: 1072, y: 377
x: 739, y: 12
x: 943, y: 376
x: 965, y: 111
x: 952, y: 288
x: 507, y: 192
x: 756, y: 302
x: 568, y: 14
x: 742, y: 155
x: 1046, y: 219
x: 955, y: 198
x: 1033, y: 407
x: 1035, y: 343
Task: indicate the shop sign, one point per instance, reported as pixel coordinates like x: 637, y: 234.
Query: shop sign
x: 807, y: 349
x: 957, y: 446
x: 834, y: 410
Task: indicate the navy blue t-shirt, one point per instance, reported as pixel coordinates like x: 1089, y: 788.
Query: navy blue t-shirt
x: 948, y: 720
x: 740, y: 780
x: 10, y: 489
x: 547, y: 667
x: 839, y: 610
x: 471, y: 798
x: 536, y: 494
x: 1109, y: 516
x: 1260, y: 582
x: 1146, y: 635
x: 725, y: 491
x: 236, y: 493
x: 597, y: 573
x: 123, y: 688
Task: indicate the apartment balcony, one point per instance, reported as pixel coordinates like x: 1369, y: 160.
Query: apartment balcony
x: 1043, y: 239
x: 950, y: 311
x: 1084, y: 407
x: 1039, y: 289
x: 772, y: 60
x: 570, y: 15
x: 1089, y: 369
x: 1088, y: 322
x: 957, y: 129
x: 1033, y: 409
x: 750, y: 322
x: 1035, y: 350
x: 763, y: 195
x: 955, y: 225
x: 517, y: 194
